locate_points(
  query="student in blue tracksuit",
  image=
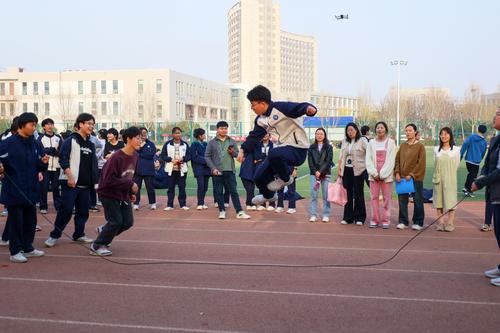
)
(146, 170)
(281, 120)
(473, 149)
(78, 174)
(247, 170)
(200, 168)
(22, 158)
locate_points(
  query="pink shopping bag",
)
(337, 194)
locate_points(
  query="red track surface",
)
(434, 285)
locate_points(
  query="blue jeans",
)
(228, 181)
(314, 196)
(278, 162)
(79, 198)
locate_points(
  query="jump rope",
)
(214, 263)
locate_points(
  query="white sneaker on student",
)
(83, 240)
(373, 224)
(260, 200)
(185, 208)
(359, 223)
(416, 227)
(250, 208)
(278, 184)
(136, 207)
(18, 257)
(216, 205)
(242, 215)
(385, 225)
(205, 207)
(199, 207)
(344, 222)
(102, 251)
(43, 211)
(4, 243)
(34, 253)
(291, 211)
(312, 219)
(279, 210)
(168, 208)
(226, 205)
(493, 273)
(495, 282)
(38, 228)
(260, 208)
(222, 215)
(152, 207)
(50, 242)
(270, 208)
(325, 219)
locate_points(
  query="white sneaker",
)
(325, 219)
(373, 224)
(84, 240)
(226, 205)
(260, 208)
(199, 207)
(270, 208)
(216, 205)
(38, 228)
(185, 208)
(98, 203)
(205, 207)
(43, 211)
(401, 226)
(222, 215)
(34, 253)
(493, 273)
(312, 219)
(260, 200)
(359, 223)
(136, 207)
(495, 282)
(102, 251)
(344, 222)
(152, 207)
(416, 227)
(98, 230)
(291, 211)
(251, 208)
(4, 243)
(168, 208)
(279, 210)
(50, 242)
(278, 184)
(385, 225)
(18, 257)
(242, 215)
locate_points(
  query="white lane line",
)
(98, 324)
(299, 247)
(398, 270)
(252, 291)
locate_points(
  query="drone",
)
(342, 17)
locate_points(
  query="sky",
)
(448, 44)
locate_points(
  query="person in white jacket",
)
(380, 159)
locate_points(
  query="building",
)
(259, 52)
(117, 98)
(330, 105)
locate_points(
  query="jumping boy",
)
(280, 120)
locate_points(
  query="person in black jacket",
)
(146, 170)
(200, 168)
(320, 159)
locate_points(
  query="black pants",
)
(250, 190)
(119, 217)
(488, 213)
(73, 197)
(50, 181)
(22, 224)
(202, 187)
(418, 205)
(180, 181)
(291, 196)
(225, 190)
(148, 180)
(472, 170)
(226, 180)
(354, 210)
(5, 233)
(496, 225)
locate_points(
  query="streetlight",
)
(398, 63)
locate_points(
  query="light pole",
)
(398, 63)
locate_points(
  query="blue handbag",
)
(405, 186)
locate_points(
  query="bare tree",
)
(472, 110)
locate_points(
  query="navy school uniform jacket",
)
(69, 157)
(21, 158)
(198, 163)
(145, 164)
(260, 152)
(247, 168)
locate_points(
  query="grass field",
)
(303, 179)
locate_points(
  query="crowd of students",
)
(88, 169)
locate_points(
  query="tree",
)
(472, 110)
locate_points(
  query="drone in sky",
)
(342, 17)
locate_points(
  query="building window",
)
(47, 109)
(25, 88)
(115, 86)
(80, 107)
(103, 86)
(115, 108)
(93, 87)
(158, 86)
(35, 108)
(80, 87)
(104, 108)
(2, 89)
(223, 114)
(25, 107)
(140, 86)
(12, 109)
(94, 108)
(2, 110)
(46, 88)
(213, 114)
(11, 88)
(202, 112)
(140, 109)
(35, 88)
(159, 110)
